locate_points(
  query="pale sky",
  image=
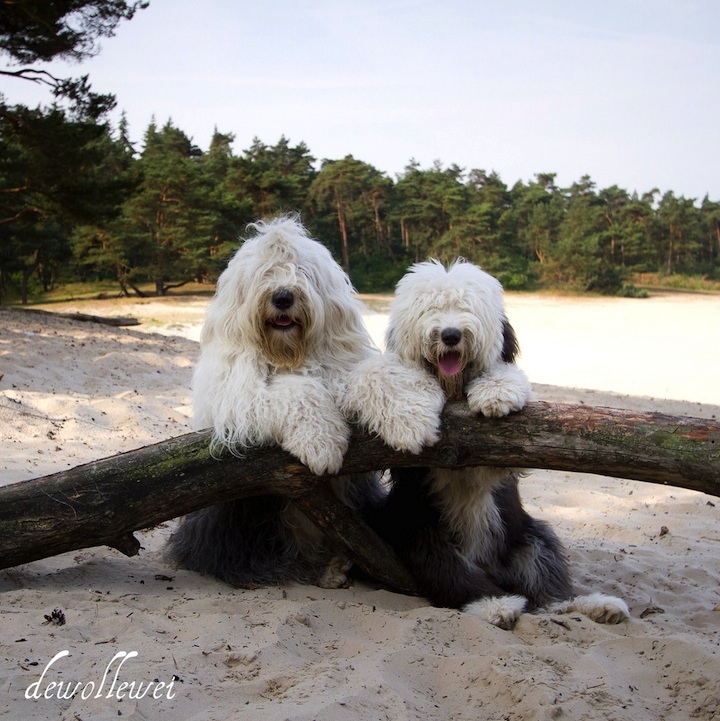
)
(626, 91)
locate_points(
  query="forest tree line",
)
(79, 200)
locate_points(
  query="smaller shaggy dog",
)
(283, 336)
(464, 534)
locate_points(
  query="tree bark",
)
(103, 502)
(343, 230)
(84, 317)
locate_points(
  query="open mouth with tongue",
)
(450, 363)
(282, 322)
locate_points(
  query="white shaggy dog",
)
(281, 334)
(464, 534)
(282, 339)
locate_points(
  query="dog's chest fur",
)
(454, 386)
(466, 503)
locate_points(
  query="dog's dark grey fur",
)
(265, 540)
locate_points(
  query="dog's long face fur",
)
(287, 313)
(450, 322)
(284, 296)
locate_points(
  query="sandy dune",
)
(73, 392)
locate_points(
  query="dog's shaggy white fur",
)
(464, 534)
(282, 335)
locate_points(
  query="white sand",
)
(73, 392)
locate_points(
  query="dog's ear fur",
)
(511, 347)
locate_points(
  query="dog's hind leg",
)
(244, 542)
(599, 607)
(334, 575)
(534, 563)
(500, 611)
(444, 575)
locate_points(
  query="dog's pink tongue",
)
(450, 363)
(283, 320)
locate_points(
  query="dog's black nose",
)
(451, 336)
(282, 299)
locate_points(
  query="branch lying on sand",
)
(104, 320)
(103, 502)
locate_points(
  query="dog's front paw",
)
(306, 421)
(410, 434)
(320, 454)
(598, 607)
(401, 405)
(500, 611)
(320, 442)
(498, 392)
(412, 421)
(495, 402)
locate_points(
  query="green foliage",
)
(38, 30)
(349, 202)
(54, 177)
(377, 274)
(168, 227)
(173, 214)
(428, 204)
(54, 170)
(32, 30)
(605, 280)
(275, 178)
(632, 291)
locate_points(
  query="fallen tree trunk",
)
(102, 319)
(85, 318)
(103, 502)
